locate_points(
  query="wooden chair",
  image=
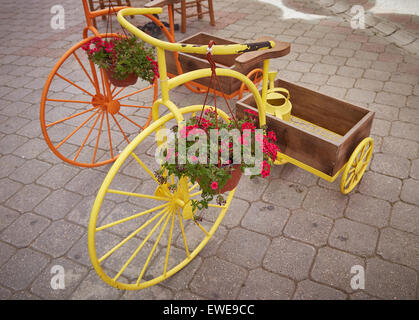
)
(102, 4)
(201, 9)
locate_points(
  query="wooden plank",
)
(304, 146)
(351, 140)
(327, 112)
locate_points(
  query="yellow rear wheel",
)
(147, 237)
(356, 166)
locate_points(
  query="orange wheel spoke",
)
(135, 92)
(103, 81)
(85, 71)
(133, 106)
(131, 120)
(109, 134)
(70, 117)
(87, 137)
(72, 83)
(122, 131)
(119, 91)
(98, 137)
(77, 129)
(71, 101)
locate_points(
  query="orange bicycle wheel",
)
(85, 120)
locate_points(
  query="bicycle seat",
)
(281, 49)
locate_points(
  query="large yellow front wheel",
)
(356, 166)
(149, 235)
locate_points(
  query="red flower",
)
(214, 185)
(251, 112)
(272, 135)
(266, 169)
(248, 125)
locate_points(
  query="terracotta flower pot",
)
(128, 81)
(236, 174)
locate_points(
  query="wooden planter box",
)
(191, 62)
(323, 131)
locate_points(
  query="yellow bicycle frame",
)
(167, 84)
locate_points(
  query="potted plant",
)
(214, 153)
(124, 59)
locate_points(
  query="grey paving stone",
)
(8, 164)
(360, 295)
(233, 216)
(332, 208)
(380, 186)
(27, 198)
(284, 193)
(405, 130)
(87, 182)
(57, 176)
(333, 267)
(30, 171)
(58, 238)
(360, 95)
(186, 295)
(156, 292)
(6, 252)
(266, 218)
(8, 188)
(24, 295)
(389, 280)
(58, 204)
(391, 165)
(368, 210)
(263, 285)
(31, 149)
(81, 213)
(7, 216)
(309, 290)
(13, 124)
(399, 146)
(4, 293)
(73, 275)
(22, 269)
(405, 217)
(290, 258)
(308, 227)
(251, 189)
(244, 248)
(353, 237)
(92, 288)
(410, 191)
(384, 112)
(414, 170)
(24, 230)
(297, 175)
(218, 279)
(399, 247)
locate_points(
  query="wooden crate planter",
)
(323, 131)
(191, 62)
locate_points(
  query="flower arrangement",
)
(197, 153)
(122, 57)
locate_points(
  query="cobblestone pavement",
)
(292, 236)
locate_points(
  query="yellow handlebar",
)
(189, 48)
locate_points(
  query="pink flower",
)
(251, 112)
(214, 185)
(193, 158)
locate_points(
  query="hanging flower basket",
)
(130, 79)
(124, 59)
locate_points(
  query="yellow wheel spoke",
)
(183, 233)
(131, 217)
(201, 227)
(168, 244)
(193, 187)
(120, 244)
(138, 195)
(153, 249)
(142, 164)
(140, 247)
(195, 194)
(216, 206)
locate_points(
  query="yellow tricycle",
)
(147, 238)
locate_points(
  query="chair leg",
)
(183, 9)
(211, 12)
(92, 8)
(199, 9)
(102, 6)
